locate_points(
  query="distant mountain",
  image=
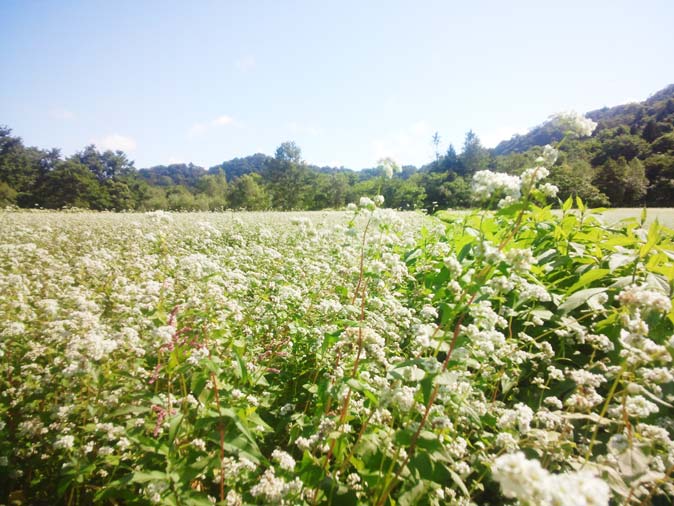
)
(655, 115)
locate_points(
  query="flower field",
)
(366, 357)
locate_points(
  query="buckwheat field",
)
(361, 357)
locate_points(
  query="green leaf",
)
(587, 278)
(652, 239)
(618, 260)
(579, 298)
(145, 476)
(174, 425)
(579, 204)
(457, 479)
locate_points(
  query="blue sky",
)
(349, 81)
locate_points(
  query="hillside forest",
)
(627, 161)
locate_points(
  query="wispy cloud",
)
(61, 113)
(201, 128)
(116, 142)
(410, 145)
(245, 63)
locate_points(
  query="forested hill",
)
(651, 118)
(627, 160)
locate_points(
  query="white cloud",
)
(222, 120)
(116, 142)
(61, 113)
(175, 160)
(201, 128)
(245, 63)
(410, 145)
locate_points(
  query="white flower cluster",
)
(284, 459)
(574, 123)
(528, 482)
(645, 299)
(273, 489)
(388, 166)
(486, 183)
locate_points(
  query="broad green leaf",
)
(579, 298)
(587, 278)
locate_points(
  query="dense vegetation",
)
(628, 160)
(366, 357)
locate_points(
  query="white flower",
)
(639, 407)
(284, 459)
(388, 166)
(528, 482)
(486, 183)
(640, 297)
(66, 442)
(199, 444)
(269, 487)
(550, 155)
(573, 123)
(366, 203)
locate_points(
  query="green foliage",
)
(367, 358)
(247, 193)
(627, 161)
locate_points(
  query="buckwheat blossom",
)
(639, 407)
(549, 190)
(549, 156)
(366, 203)
(65, 442)
(199, 444)
(528, 482)
(284, 459)
(269, 488)
(233, 498)
(645, 299)
(520, 417)
(486, 183)
(533, 175)
(573, 123)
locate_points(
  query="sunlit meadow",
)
(362, 357)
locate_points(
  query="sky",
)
(349, 81)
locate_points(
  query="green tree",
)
(7, 195)
(575, 180)
(70, 184)
(624, 183)
(105, 165)
(287, 178)
(212, 190)
(474, 157)
(246, 192)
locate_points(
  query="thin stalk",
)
(221, 429)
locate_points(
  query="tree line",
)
(627, 161)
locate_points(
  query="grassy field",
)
(663, 214)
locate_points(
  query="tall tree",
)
(287, 178)
(474, 157)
